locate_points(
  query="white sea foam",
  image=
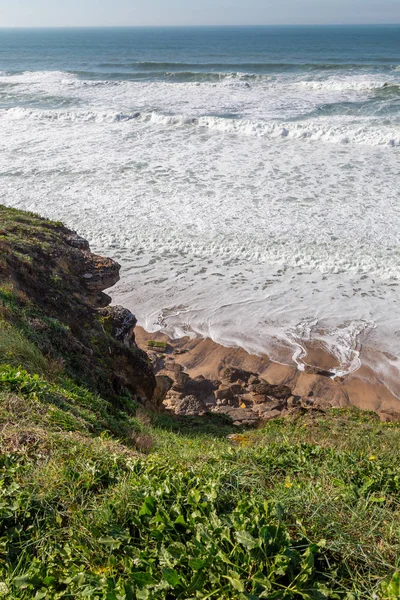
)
(341, 131)
(231, 214)
(347, 83)
(274, 97)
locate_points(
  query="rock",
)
(190, 406)
(239, 416)
(389, 416)
(317, 371)
(180, 381)
(237, 389)
(276, 391)
(76, 241)
(322, 403)
(268, 415)
(172, 366)
(210, 400)
(163, 385)
(98, 272)
(122, 323)
(307, 401)
(257, 399)
(271, 404)
(101, 300)
(156, 361)
(316, 404)
(293, 402)
(200, 386)
(224, 393)
(232, 375)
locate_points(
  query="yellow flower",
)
(372, 457)
(102, 570)
(288, 484)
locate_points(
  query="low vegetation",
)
(157, 344)
(101, 499)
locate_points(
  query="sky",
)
(63, 13)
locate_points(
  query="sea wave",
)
(264, 67)
(369, 82)
(348, 76)
(351, 84)
(112, 78)
(363, 132)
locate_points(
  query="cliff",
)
(102, 498)
(51, 294)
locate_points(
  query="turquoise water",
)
(246, 178)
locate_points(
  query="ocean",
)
(247, 179)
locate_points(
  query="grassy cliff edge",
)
(102, 497)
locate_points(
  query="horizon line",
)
(199, 26)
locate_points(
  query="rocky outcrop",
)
(163, 385)
(266, 390)
(190, 406)
(243, 396)
(121, 323)
(57, 288)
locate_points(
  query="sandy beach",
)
(363, 389)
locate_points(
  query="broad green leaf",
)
(246, 539)
(171, 576)
(143, 578)
(22, 582)
(197, 563)
(194, 496)
(148, 507)
(234, 580)
(180, 520)
(109, 541)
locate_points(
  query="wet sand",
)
(364, 388)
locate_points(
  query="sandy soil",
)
(363, 389)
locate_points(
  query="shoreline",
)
(363, 389)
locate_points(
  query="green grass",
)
(157, 344)
(16, 349)
(101, 500)
(288, 512)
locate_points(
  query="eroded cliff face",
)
(52, 289)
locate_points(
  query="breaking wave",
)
(354, 133)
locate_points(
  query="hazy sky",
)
(27, 13)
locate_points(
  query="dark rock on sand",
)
(190, 406)
(276, 391)
(316, 371)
